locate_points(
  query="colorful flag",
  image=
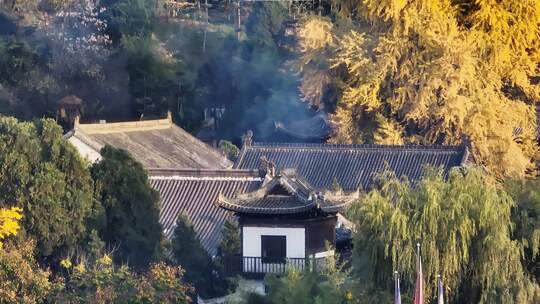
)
(419, 290)
(397, 292)
(440, 290)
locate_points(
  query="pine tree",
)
(130, 218)
(189, 253)
(230, 241)
(44, 176)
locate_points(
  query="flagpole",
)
(417, 256)
(419, 289)
(417, 252)
(440, 290)
(397, 291)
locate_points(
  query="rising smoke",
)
(148, 63)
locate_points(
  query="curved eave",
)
(341, 204)
(261, 210)
(281, 128)
(335, 208)
(240, 208)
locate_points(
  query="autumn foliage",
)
(437, 71)
(9, 222)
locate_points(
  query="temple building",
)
(350, 167)
(284, 224)
(287, 197)
(156, 143)
(323, 167)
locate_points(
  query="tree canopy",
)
(23, 280)
(9, 222)
(526, 218)
(44, 175)
(130, 217)
(436, 71)
(105, 282)
(330, 284)
(231, 242)
(464, 227)
(201, 271)
(131, 58)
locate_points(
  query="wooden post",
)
(206, 25)
(239, 21)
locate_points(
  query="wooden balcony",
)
(257, 267)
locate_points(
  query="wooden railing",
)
(257, 267)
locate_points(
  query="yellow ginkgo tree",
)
(448, 72)
(9, 222)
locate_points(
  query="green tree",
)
(229, 149)
(265, 23)
(230, 245)
(129, 17)
(464, 227)
(130, 220)
(44, 175)
(189, 253)
(230, 241)
(526, 218)
(153, 74)
(329, 284)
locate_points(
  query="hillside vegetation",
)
(452, 72)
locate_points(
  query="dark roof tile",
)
(285, 193)
(351, 166)
(195, 192)
(154, 143)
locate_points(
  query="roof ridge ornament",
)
(77, 122)
(247, 138)
(267, 169)
(285, 194)
(169, 117)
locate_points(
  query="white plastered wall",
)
(251, 242)
(84, 150)
(295, 240)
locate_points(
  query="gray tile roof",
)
(351, 166)
(274, 204)
(195, 193)
(285, 193)
(155, 143)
